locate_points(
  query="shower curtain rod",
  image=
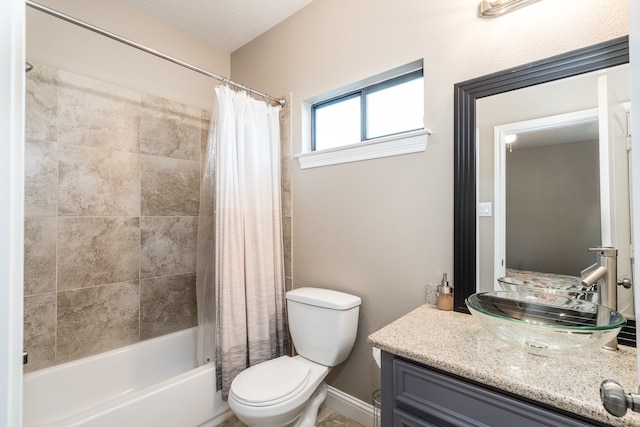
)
(138, 46)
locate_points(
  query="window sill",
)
(384, 147)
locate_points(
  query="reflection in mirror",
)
(539, 154)
(567, 115)
(551, 194)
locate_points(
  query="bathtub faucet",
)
(604, 275)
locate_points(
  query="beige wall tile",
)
(97, 114)
(167, 245)
(205, 123)
(41, 104)
(40, 255)
(169, 187)
(86, 245)
(40, 330)
(167, 304)
(98, 182)
(96, 251)
(41, 179)
(285, 172)
(82, 214)
(169, 129)
(286, 239)
(286, 160)
(97, 319)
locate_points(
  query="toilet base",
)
(310, 413)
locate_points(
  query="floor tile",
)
(326, 418)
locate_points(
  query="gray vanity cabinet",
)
(414, 395)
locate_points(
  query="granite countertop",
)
(455, 343)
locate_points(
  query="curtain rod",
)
(133, 44)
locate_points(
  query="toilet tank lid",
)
(324, 298)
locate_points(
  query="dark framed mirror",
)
(597, 57)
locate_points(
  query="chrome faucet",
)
(604, 275)
(612, 395)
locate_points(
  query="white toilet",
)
(288, 391)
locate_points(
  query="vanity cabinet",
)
(414, 395)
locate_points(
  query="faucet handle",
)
(584, 273)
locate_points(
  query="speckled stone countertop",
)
(455, 343)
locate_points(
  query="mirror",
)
(481, 253)
(553, 178)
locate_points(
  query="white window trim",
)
(395, 145)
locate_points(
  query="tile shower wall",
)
(285, 171)
(111, 215)
(111, 206)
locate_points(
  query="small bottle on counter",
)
(444, 295)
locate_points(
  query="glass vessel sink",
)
(543, 323)
(552, 285)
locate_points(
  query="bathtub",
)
(152, 383)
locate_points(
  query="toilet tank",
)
(323, 324)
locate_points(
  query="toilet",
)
(287, 391)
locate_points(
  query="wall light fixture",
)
(495, 8)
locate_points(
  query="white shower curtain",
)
(240, 277)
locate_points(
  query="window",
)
(380, 116)
(391, 107)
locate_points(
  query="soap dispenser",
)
(444, 295)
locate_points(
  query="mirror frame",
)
(602, 55)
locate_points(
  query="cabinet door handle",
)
(616, 401)
(626, 283)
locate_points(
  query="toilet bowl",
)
(287, 391)
(275, 393)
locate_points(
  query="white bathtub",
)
(152, 383)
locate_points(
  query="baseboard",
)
(349, 406)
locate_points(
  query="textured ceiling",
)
(225, 24)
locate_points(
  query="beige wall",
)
(56, 43)
(382, 228)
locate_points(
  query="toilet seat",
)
(270, 382)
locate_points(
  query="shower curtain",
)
(240, 272)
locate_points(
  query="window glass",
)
(389, 107)
(337, 123)
(395, 109)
